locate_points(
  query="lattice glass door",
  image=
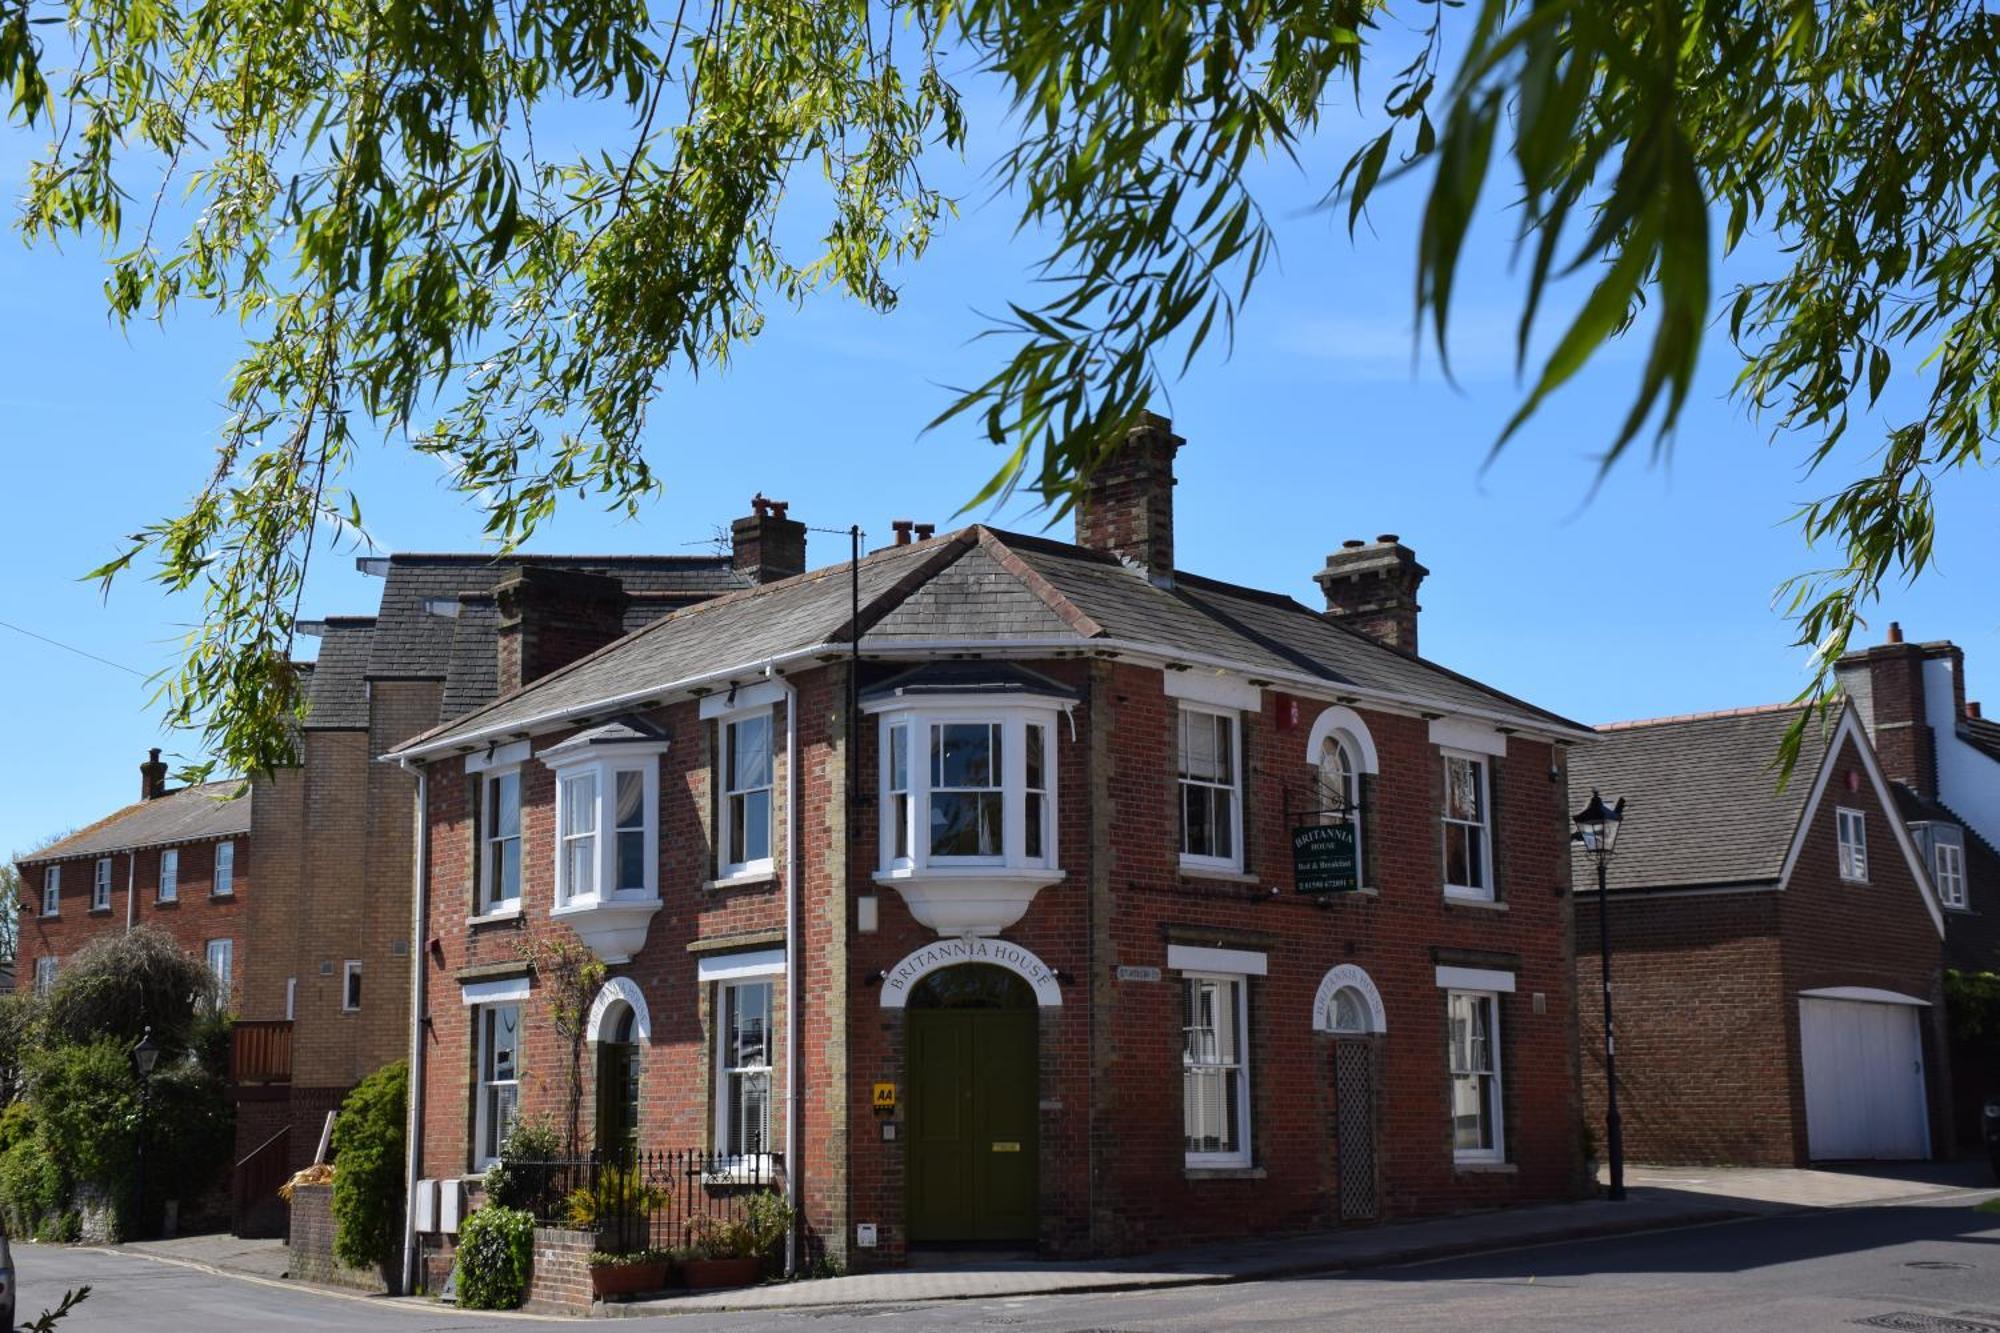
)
(1354, 1124)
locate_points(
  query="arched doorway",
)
(1350, 1008)
(618, 1082)
(971, 1065)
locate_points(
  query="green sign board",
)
(1323, 859)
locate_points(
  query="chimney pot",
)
(901, 527)
(1895, 632)
(1126, 509)
(1372, 588)
(925, 531)
(1972, 708)
(1352, 544)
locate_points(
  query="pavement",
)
(1659, 1199)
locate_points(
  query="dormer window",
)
(607, 843)
(968, 791)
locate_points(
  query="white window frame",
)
(484, 1087)
(1483, 826)
(1948, 870)
(224, 884)
(52, 891)
(46, 968)
(1495, 1075)
(169, 890)
(726, 1118)
(100, 886)
(226, 974)
(1240, 1156)
(1851, 842)
(920, 719)
(350, 972)
(604, 771)
(730, 864)
(490, 903)
(1353, 759)
(1187, 710)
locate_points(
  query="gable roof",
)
(189, 814)
(987, 590)
(1705, 808)
(337, 691)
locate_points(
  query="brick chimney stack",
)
(1889, 690)
(1372, 587)
(152, 777)
(1127, 507)
(767, 545)
(549, 617)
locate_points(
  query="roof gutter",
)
(1159, 654)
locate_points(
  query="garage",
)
(1864, 1075)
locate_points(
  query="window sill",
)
(1227, 876)
(1224, 1172)
(757, 879)
(1854, 883)
(1479, 904)
(1485, 1168)
(99, 911)
(221, 897)
(166, 902)
(513, 913)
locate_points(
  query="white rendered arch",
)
(904, 976)
(1342, 977)
(616, 991)
(1345, 720)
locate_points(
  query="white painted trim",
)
(1475, 978)
(1218, 691)
(500, 990)
(1865, 994)
(1339, 718)
(620, 990)
(1460, 733)
(1849, 728)
(901, 979)
(749, 963)
(1337, 979)
(498, 756)
(748, 699)
(1193, 958)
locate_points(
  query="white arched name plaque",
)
(904, 976)
(1346, 976)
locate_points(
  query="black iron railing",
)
(644, 1200)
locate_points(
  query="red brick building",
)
(178, 859)
(1777, 955)
(958, 887)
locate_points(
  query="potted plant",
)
(732, 1253)
(618, 1206)
(627, 1274)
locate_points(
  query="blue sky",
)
(1653, 597)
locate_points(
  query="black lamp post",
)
(145, 1055)
(1597, 832)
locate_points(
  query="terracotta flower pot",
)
(708, 1274)
(627, 1279)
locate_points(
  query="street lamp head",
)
(1597, 825)
(146, 1054)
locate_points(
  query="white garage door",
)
(1864, 1080)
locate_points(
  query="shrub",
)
(532, 1139)
(86, 1101)
(33, 1191)
(755, 1235)
(368, 1186)
(120, 985)
(495, 1248)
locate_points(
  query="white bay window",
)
(607, 836)
(968, 792)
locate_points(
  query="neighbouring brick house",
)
(1943, 760)
(317, 951)
(958, 886)
(1777, 954)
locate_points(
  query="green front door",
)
(971, 1060)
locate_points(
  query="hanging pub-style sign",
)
(1324, 860)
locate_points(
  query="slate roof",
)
(337, 692)
(189, 814)
(983, 584)
(1982, 734)
(1703, 804)
(414, 643)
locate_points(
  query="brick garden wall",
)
(311, 1244)
(559, 1282)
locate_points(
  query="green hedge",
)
(496, 1248)
(368, 1142)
